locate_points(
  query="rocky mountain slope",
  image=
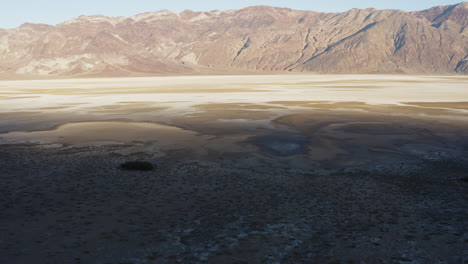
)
(253, 38)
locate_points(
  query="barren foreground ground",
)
(248, 169)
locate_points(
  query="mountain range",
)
(252, 39)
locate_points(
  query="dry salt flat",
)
(247, 169)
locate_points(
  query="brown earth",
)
(252, 39)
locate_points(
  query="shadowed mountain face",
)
(254, 38)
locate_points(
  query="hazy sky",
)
(15, 12)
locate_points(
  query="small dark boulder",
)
(137, 166)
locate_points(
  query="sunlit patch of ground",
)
(450, 105)
(287, 116)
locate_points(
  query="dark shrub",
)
(137, 166)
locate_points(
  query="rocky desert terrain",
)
(243, 169)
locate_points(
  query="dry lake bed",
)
(246, 169)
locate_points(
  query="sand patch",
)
(134, 137)
(245, 106)
(124, 109)
(452, 105)
(98, 132)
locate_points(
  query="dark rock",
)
(465, 179)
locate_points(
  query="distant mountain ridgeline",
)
(260, 38)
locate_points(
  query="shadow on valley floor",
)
(307, 189)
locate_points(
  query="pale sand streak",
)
(233, 89)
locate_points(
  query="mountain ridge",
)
(258, 38)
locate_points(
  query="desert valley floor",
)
(248, 169)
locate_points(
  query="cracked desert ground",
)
(248, 169)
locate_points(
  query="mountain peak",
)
(34, 26)
(94, 19)
(252, 38)
(437, 15)
(463, 5)
(153, 16)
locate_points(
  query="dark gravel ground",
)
(75, 205)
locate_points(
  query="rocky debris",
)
(62, 207)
